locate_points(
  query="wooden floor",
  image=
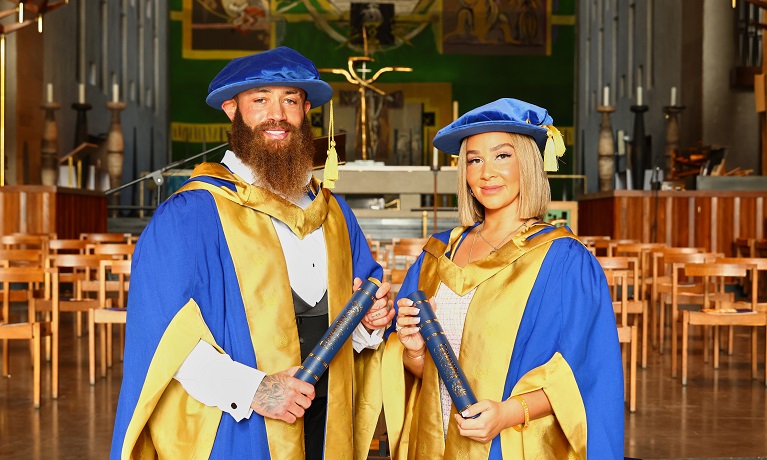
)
(719, 414)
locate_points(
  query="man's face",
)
(270, 106)
(271, 134)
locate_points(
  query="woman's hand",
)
(407, 327)
(410, 336)
(494, 418)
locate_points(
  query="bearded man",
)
(234, 281)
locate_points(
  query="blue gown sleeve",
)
(570, 311)
(363, 263)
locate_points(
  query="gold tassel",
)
(555, 148)
(330, 175)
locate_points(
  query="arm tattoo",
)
(272, 393)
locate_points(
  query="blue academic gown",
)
(183, 254)
(569, 311)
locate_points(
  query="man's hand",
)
(282, 397)
(382, 312)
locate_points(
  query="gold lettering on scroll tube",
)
(343, 324)
(449, 368)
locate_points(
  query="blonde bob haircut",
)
(534, 190)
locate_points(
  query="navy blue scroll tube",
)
(442, 354)
(335, 337)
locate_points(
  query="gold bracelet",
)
(415, 357)
(526, 410)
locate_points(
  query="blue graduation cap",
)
(281, 66)
(510, 116)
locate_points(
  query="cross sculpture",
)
(359, 77)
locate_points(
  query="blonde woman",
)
(524, 305)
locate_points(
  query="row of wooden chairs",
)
(694, 284)
(96, 266)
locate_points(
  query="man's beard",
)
(282, 166)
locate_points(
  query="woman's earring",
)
(471, 192)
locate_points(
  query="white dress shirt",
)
(214, 378)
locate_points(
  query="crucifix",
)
(358, 76)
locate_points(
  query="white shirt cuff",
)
(214, 379)
(361, 339)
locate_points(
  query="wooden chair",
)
(24, 241)
(661, 286)
(30, 242)
(107, 314)
(30, 330)
(17, 258)
(684, 292)
(642, 252)
(75, 267)
(30, 258)
(616, 279)
(719, 311)
(67, 277)
(744, 247)
(607, 247)
(759, 269)
(635, 305)
(106, 237)
(115, 251)
(404, 253)
(590, 241)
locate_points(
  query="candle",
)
(455, 110)
(606, 96)
(621, 142)
(49, 97)
(115, 92)
(673, 96)
(639, 95)
(81, 93)
(435, 158)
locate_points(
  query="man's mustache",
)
(276, 126)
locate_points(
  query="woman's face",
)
(492, 170)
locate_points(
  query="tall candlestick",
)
(434, 158)
(673, 96)
(606, 96)
(49, 97)
(455, 110)
(621, 142)
(639, 95)
(115, 92)
(81, 93)
(606, 147)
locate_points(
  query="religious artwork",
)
(401, 122)
(369, 113)
(225, 29)
(399, 22)
(377, 121)
(497, 28)
(376, 20)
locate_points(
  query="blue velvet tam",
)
(281, 66)
(504, 115)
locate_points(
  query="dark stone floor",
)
(720, 414)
